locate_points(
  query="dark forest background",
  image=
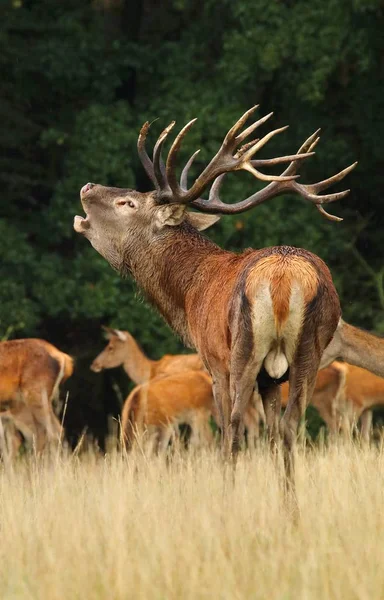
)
(79, 79)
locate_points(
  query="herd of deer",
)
(171, 391)
(257, 319)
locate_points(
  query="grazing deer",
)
(31, 371)
(261, 316)
(122, 349)
(163, 403)
(356, 347)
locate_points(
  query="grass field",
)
(118, 527)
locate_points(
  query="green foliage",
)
(82, 77)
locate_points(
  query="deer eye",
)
(124, 202)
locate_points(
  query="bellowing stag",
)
(263, 315)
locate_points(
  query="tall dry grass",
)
(129, 527)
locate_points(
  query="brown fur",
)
(357, 347)
(166, 401)
(30, 373)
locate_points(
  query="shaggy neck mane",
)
(165, 269)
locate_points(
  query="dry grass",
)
(127, 527)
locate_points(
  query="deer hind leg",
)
(222, 401)
(366, 426)
(48, 427)
(301, 386)
(163, 435)
(242, 390)
(253, 417)
(271, 396)
(201, 430)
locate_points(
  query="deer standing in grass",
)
(254, 318)
(159, 405)
(163, 403)
(31, 371)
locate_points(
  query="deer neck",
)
(362, 349)
(136, 364)
(166, 269)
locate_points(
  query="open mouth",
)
(81, 224)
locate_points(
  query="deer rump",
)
(277, 293)
(31, 371)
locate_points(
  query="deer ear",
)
(108, 331)
(120, 334)
(170, 214)
(202, 221)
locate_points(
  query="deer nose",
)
(86, 188)
(96, 367)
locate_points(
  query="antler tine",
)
(144, 158)
(327, 215)
(307, 147)
(184, 173)
(252, 128)
(269, 162)
(322, 185)
(157, 161)
(214, 191)
(239, 124)
(171, 164)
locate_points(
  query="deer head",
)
(119, 221)
(114, 354)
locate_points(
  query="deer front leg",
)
(365, 426)
(302, 383)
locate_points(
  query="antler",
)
(229, 158)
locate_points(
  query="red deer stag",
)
(165, 402)
(252, 317)
(122, 349)
(31, 371)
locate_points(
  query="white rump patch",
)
(275, 349)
